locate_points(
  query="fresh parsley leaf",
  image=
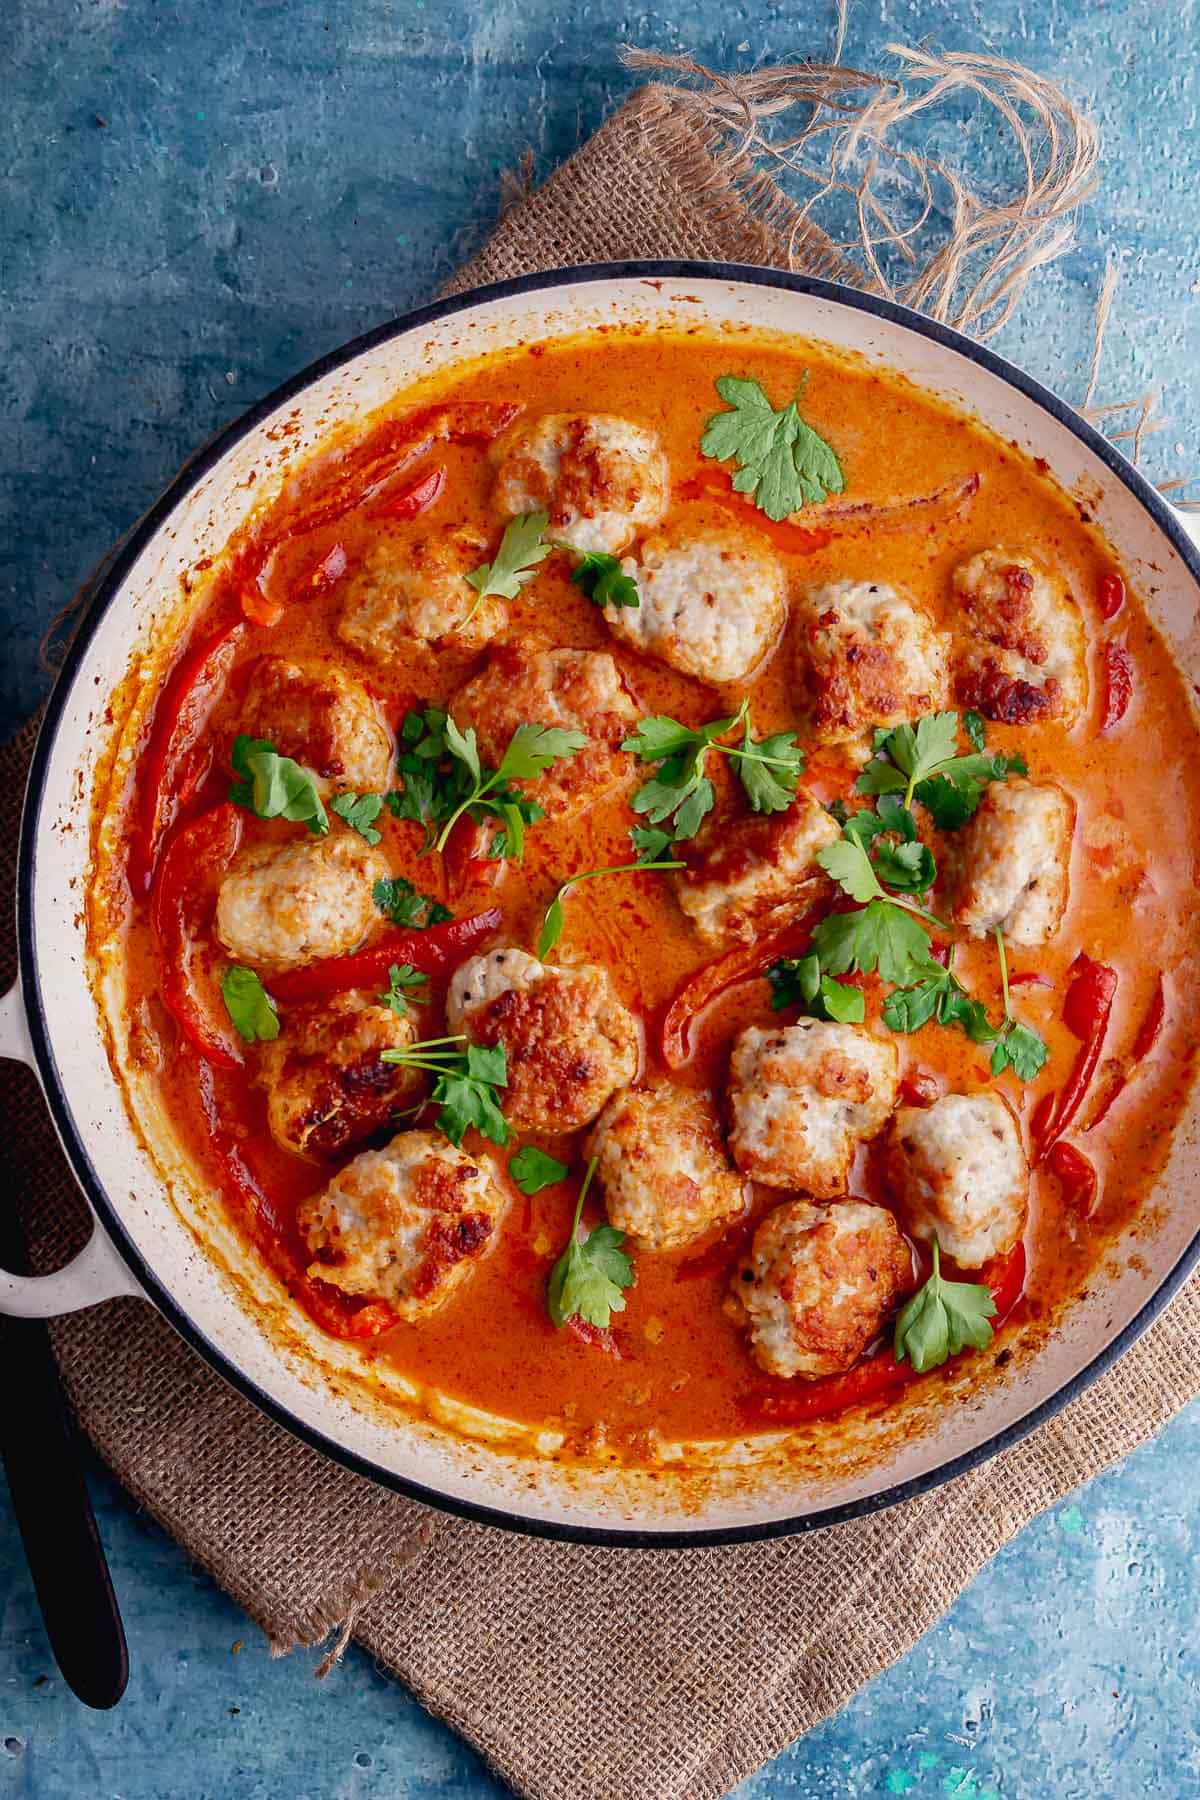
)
(587, 1280)
(847, 863)
(461, 783)
(249, 1005)
(360, 812)
(942, 1318)
(880, 936)
(1021, 1050)
(433, 782)
(905, 864)
(399, 901)
(649, 842)
(660, 737)
(780, 460)
(922, 763)
(602, 580)
(976, 730)
(532, 748)
(532, 1169)
(401, 976)
(465, 1084)
(275, 787)
(555, 917)
(769, 770)
(522, 548)
(799, 981)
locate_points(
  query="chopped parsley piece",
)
(516, 561)
(587, 1280)
(681, 792)
(936, 993)
(249, 1005)
(781, 462)
(465, 1084)
(443, 778)
(275, 787)
(555, 919)
(601, 578)
(399, 901)
(799, 981)
(401, 976)
(532, 1169)
(942, 1318)
(360, 812)
(922, 763)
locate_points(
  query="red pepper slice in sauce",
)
(173, 766)
(1110, 595)
(1086, 1011)
(880, 1374)
(832, 518)
(181, 903)
(409, 502)
(431, 952)
(701, 988)
(1147, 1036)
(1118, 684)
(1076, 1174)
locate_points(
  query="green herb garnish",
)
(465, 1088)
(555, 918)
(532, 1169)
(249, 1005)
(681, 792)
(400, 901)
(601, 579)
(274, 786)
(401, 976)
(782, 463)
(942, 1318)
(587, 1280)
(360, 812)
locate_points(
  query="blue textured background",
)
(198, 200)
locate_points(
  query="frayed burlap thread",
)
(578, 1672)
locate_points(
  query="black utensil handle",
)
(43, 1459)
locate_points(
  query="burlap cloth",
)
(599, 1674)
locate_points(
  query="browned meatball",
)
(325, 1082)
(315, 714)
(818, 1285)
(747, 875)
(663, 1166)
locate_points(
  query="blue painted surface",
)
(198, 201)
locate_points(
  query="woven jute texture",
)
(595, 1674)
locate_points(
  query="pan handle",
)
(97, 1272)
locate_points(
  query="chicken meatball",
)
(744, 876)
(663, 1166)
(282, 906)
(710, 602)
(600, 478)
(868, 655)
(818, 1286)
(579, 689)
(1010, 864)
(1024, 659)
(569, 1043)
(404, 1224)
(315, 714)
(803, 1097)
(414, 590)
(959, 1171)
(326, 1084)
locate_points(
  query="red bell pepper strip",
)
(1077, 1175)
(880, 1374)
(701, 988)
(182, 897)
(170, 769)
(1086, 1011)
(919, 1088)
(1110, 596)
(408, 502)
(1143, 1044)
(431, 952)
(833, 518)
(464, 860)
(1118, 684)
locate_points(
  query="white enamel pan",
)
(161, 1236)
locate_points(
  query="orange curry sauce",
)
(675, 1365)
